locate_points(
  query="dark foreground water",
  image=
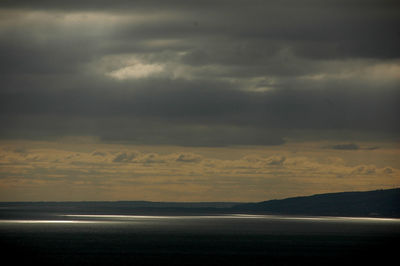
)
(69, 239)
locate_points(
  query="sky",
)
(198, 100)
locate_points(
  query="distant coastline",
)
(377, 203)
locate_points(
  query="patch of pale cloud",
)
(276, 160)
(188, 158)
(364, 170)
(259, 162)
(388, 170)
(136, 71)
(99, 153)
(383, 72)
(127, 66)
(89, 22)
(20, 150)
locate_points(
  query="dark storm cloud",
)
(198, 72)
(210, 104)
(124, 157)
(257, 29)
(328, 29)
(349, 146)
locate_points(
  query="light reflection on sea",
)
(236, 216)
(234, 239)
(131, 219)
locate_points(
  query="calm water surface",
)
(95, 239)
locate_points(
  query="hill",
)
(378, 203)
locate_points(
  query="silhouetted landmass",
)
(35, 209)
(378, 203)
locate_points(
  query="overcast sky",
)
(196, 75)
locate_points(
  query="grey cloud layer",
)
(198, 72)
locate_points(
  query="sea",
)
(42, 236)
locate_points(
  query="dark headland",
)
(377, 203)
